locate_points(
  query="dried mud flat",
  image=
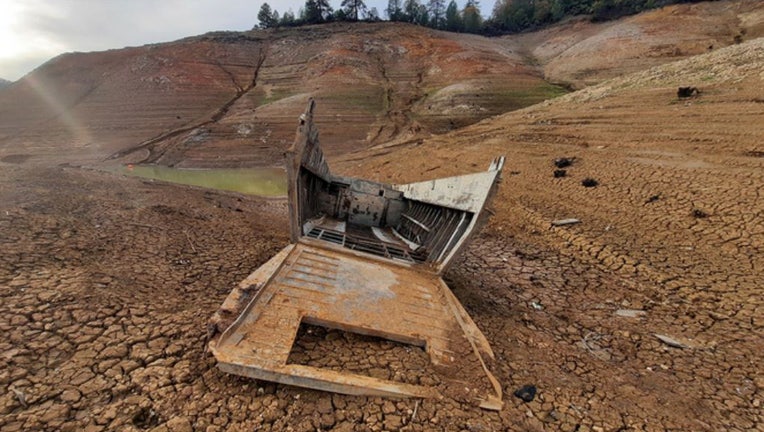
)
(107, 282)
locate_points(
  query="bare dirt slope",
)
(231, 98)
(89, 105)
(581, 53)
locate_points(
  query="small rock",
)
(526, 392)
(630, 313)
(71, 395)
(670, 341)
(563, 222)
(589, 182)
(179, 424)
(653, 199)
(699, 214)
(388, 407)
(393, 422)
(109, 414)
(560, 173)
(563, 162)
(57, 413)
(324, 406)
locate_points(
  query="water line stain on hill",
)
(270, 182)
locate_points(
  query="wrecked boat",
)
(367, 258)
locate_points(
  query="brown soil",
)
(581, 53)
(107, 282)
(672, 229)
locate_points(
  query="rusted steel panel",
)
(366, 258)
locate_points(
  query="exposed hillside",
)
(583, 53)
(234, 97)
(231, 99)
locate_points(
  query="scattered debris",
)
(537, 305)
(563, 222)
(564, 162)
(20, 396)
(685, 92)
(589, 182)
(653, 199)
(630, 313)
(190, 243)
(526, 392)
(559, 173)
(590, 342)
(145, 418)
(699, 214)
(670, 341)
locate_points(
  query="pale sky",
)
(33, 31)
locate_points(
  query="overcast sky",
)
(33, 31)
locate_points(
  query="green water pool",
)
(270, 182)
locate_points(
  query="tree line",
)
(508, 16)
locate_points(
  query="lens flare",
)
(63, 113)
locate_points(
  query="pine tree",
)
(411, 11)
(453, 20)
(394, 12)
(353, 8)
(311, 14)
(266, 16)
(437, 11)
(324, 8)
(287, 19)
(471, 17)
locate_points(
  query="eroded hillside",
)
(582, 53)
(230, 99)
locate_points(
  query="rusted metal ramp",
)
(366, 258)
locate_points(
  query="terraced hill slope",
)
(230, 99)
(582, 53)
(233, 98)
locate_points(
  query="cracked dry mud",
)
(107, 284)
